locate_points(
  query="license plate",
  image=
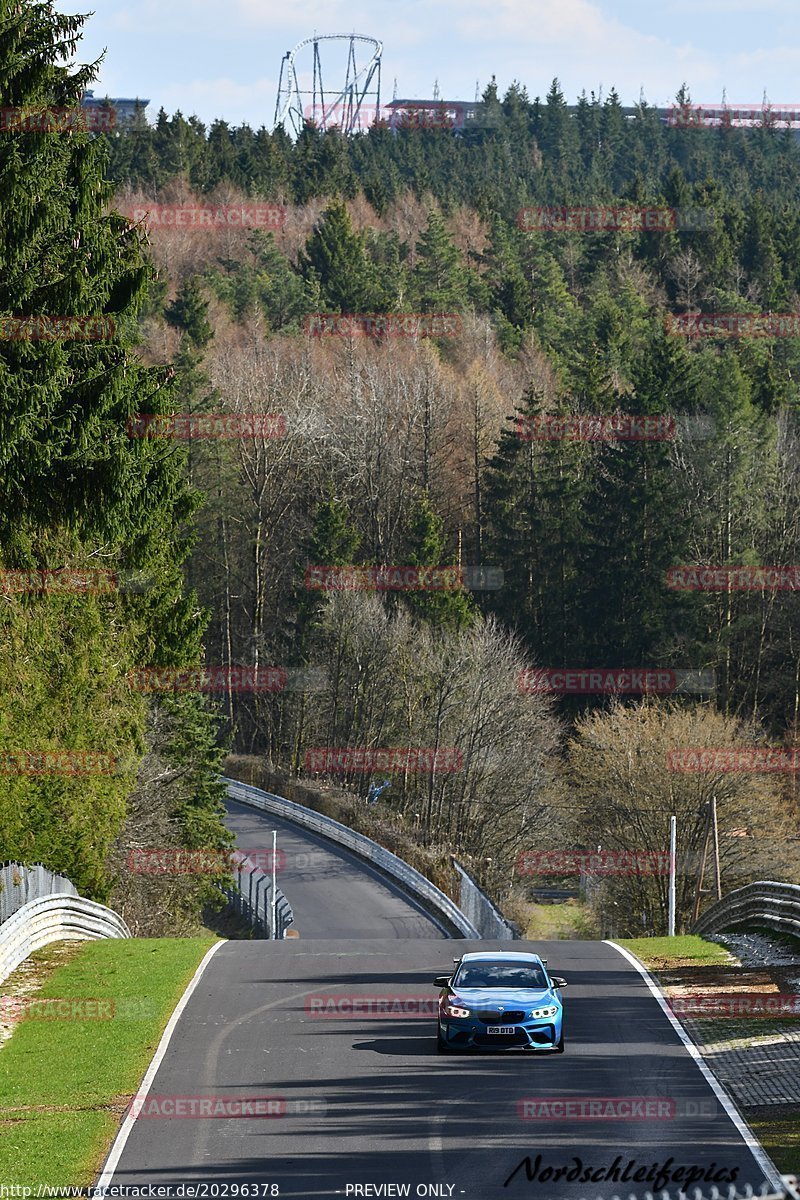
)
(501, 1029)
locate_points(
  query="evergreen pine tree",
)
(333, 542)
(450, 607)
(189, 313)
(336, 259)
(77, 489)
(439, 278)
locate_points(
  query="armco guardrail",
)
(413, 882)
(765, 904)
(56, 918)
(20, 883)
(479, 909)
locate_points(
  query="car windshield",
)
(500, 975)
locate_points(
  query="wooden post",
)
(702, 868)
(715, 833)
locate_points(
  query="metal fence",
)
(252, 898)
(725, 1193)
(479, 909)
(20, 884)
(765, 904)
(435, 901)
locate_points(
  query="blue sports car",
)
(500, 1001)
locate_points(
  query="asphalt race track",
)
(333, 893)
(359, 1102)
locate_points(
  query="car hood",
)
(507, 997)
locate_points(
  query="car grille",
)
(512, 1017)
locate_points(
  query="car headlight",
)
(549, 1010)
(453, 1010)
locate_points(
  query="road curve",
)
(361, 1100)
(333, 893)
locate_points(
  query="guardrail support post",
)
(274, 884)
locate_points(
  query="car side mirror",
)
(441, 981)
(558, 982)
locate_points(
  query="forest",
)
(550, 431)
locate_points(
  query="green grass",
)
(779, 1134)
(550, 922)
(688, 950)
(64, 1084)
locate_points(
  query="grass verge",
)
(688, 950)
(779, 1134)
(65, 1081)
(550, 922)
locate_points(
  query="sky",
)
(222, 58)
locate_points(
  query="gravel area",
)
(756, 950)
(758, 1060)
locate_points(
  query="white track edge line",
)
(758, 1152)
(115, 1153)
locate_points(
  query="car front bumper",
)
(467, 1033)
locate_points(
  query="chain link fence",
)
(20, 884)
(726, 1193)
(479, 909)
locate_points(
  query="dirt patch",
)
(26, 980)
(683, 980)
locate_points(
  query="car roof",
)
(504, 955)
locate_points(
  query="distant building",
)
(457, 115)
(125, 111)
(460, 115)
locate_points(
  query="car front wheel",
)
(441, 1045)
